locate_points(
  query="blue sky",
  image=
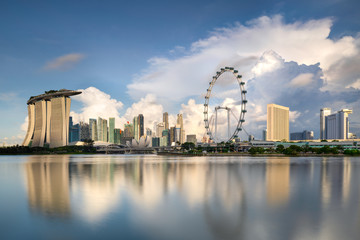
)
(114, 45)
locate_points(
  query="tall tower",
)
(323, 113)
(105, 130)
(49, 119)
(136, 128)
(141, 125)
(111, 130)
(337, 125)
(179, 124)
(166, 120)
(100, 129)
(93, 129)
(277, 123)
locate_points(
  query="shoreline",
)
(195, 155)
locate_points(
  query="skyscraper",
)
(105, 130)
(166, 134)
(305, 135)
(337, 125)
(74, 131)
(166, 120)
(49, 119)
(84, 131)
(148, 132)
(159, 129)
(128, 130)
(111, 130)
(323, 113)
(93, 129)
(102, 129)
(117, 135)
(277, 123)
(264, 134)
(172, 135)
(180, 124)
(141, 125)
(136, 128)
(178, 133)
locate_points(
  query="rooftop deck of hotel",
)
(52, 94)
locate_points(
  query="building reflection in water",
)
(278, 181)
(48, 184)
(95, 188)
(223, 196)
(225, 202)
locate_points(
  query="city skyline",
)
(307, 61)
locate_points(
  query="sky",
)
(154, 56)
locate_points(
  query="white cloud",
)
(269, 61)
(24, 126)
(302, 80)
(277, 60)
(149, 107)
(96, 104)
(302, 42)
(64, 62)
(193, 118)
(293, 115)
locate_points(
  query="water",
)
(162, 197)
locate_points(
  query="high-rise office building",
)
(111, 130)
(155, 142)
(141, 125)
(136, 128)
(74, 131)
(178, 133)
(277, 123)
(264, 134)
(49, 119)
(305, 135)
(102, 129)
(166, 120)
(180, 124)
(117, 135)
(172, 135)
(93, 129)
(166, 134)
(84, 131)
(105, 130)
(148, 132)
(128, 130)
(323, 113)
(159, 129)
(337, 125)
(138, 123)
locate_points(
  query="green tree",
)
(188, 145)
(280, 148)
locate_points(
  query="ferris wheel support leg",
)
(215, 123)
(228, 115)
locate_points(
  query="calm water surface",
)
(155, 197)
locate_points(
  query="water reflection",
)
(278, 181)
(48, 184)
(221, 198)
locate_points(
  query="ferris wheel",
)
(211, 131)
